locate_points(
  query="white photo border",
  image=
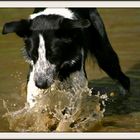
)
(101, 4)
(77, 135)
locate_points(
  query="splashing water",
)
(66, 106)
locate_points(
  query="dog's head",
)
(53, 46)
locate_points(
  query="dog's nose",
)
(42, 84)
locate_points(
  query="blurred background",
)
(123, 28)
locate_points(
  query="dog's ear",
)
(21, 28)
(82, 23)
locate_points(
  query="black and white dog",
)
(57, 41)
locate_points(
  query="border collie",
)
(57, 41)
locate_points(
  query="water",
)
(60, 108)
(121, 114)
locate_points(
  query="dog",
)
(57, 41)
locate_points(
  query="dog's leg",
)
(109, 62)
(101, 48)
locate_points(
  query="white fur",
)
(66, 13)
(41, 64)
(32, 91)
(41, 49)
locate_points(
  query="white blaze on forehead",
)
(43, 68)
(66, 13)
(42, 64)
(41, 49)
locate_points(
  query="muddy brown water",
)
(123, 27)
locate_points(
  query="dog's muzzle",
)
(44, 79)
(43, 83)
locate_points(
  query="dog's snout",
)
(44, 78)
(42, 83)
